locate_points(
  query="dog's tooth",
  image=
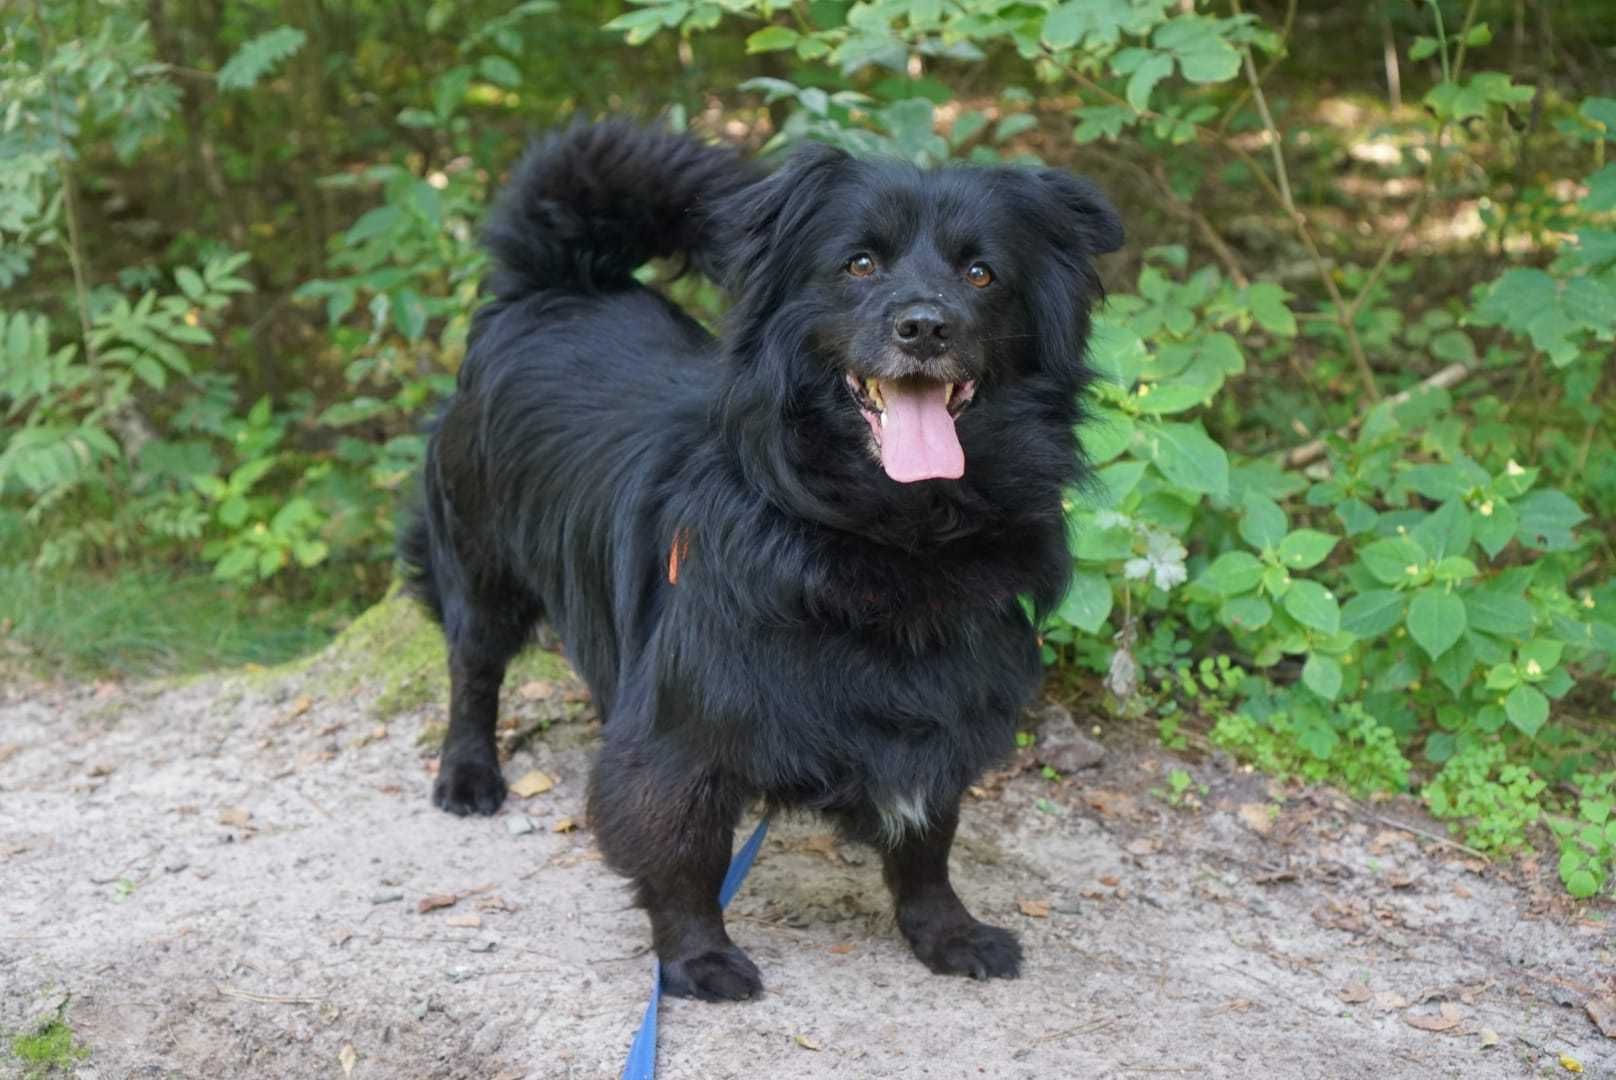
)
(883, 418)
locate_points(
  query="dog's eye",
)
(861, 266)
(979, 274)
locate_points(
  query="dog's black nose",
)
(921, 329)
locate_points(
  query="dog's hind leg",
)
(670, 829)
(946, 937)
(483, 637)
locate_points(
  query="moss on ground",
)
(50, 1048)
(398, 652)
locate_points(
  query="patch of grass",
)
(51, 1047)
(153, 622)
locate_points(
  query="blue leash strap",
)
(641, 1064)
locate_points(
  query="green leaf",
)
(1246, 613)
(1158, 399)
(1087, 602)
(1454, 345)
(1455, 666)
(1455, 568)
(1203, 55)
(1372, 613)
(258, 57)
(1305, 548)
(1234, 572)
(1527, 709)
(500, 71)
(1435, 620)
(1392, 559)
(1540, 656)
(1547, 517)
(1423, 48)
(1268, 307)
(1102, 122)
(1312, 605)
(1356, 515)
(1262, 525)
(1497, 613)
(1106, 435)
(409, 313)
(771, 39)
(1496, 523)
(1151, 70)
(1601, 191)
(1445, 531)
(1187, 457)
(190, 281)
(1322, 675)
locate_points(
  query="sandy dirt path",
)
(224, 878)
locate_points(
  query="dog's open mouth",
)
(913, 422)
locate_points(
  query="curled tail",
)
(588, 205)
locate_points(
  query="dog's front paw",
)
(468, 787)
(968, 948)
(716, 975)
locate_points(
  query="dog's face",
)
(920, 297)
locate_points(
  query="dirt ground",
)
(235, 876)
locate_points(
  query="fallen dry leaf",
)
(434, 902)
(349, 1057)
(1489, 1038)
(566, 824)
(807, 1043)
(1110, 879)
(465, 922)
(1461, 892)
(538, 688)
(534, 783)
(1387, 1000)
(237, 817)
(1354, 994)
(1446, 1019)
(843, 949)
(1257, 818)
(1602, 1011)
(1570, 1064)
(301, 706)
(1034, 909)
(1143, 846)
(494, 903)
(821, 844)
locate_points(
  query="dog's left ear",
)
(761, 217)
(1098, 221)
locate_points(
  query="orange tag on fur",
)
(680, 549)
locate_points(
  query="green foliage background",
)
(1355, 485)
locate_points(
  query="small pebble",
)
(386, 897)
(519, 824)
(482, 945)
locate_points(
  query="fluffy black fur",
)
(836, 641)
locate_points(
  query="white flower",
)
(1164, 559)
(1110, 519)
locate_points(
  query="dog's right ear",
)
(759, 221)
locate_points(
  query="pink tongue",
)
(917, 439)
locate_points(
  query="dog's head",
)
(915, 318)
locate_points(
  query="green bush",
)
(1380, 487)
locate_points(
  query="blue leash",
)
(641, 1064)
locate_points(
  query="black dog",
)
(791, 562)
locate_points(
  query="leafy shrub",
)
(1358, 528)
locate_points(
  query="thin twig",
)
(267, 999)
(1431, 836)
(1446, 379)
